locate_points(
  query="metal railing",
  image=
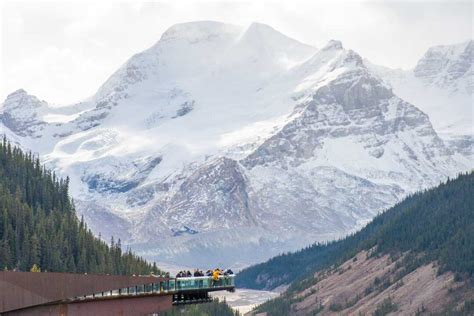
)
(196, 283)
(170, 286)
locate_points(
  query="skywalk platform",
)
(47, 293)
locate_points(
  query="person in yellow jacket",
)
(215, 276)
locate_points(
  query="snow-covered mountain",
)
(442, 86)
(448, 67)
(227, 145)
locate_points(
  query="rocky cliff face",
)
(21, 114)
(441, 85)
(449, 67)
(230, 145)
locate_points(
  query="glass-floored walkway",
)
(184, 290)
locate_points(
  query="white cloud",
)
(63, 51)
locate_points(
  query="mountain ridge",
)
(186, 131)
(441, 80)
(414, 258)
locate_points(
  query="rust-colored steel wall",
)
(129, 306)
(23, 289)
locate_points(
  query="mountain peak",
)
(258, 32)
(198, 30)
(448, 66)
(263, 42)
(20, 113)
(333, 45)
(16, 93)
(260, 27)
(21, 99)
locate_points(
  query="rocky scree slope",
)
(415, 258)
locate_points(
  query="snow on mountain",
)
(21, 113)
(227, 145)
(442, 85)
(448, 66)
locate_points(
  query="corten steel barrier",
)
(123, 306)
(19, 290)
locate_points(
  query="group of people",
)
(184, 274)
(188, 274)
(210, 273)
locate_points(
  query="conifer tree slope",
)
(39, 228)
(435, 225)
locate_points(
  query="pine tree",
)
(38, 223)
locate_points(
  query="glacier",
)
(226, 145)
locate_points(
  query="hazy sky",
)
(63, 51)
